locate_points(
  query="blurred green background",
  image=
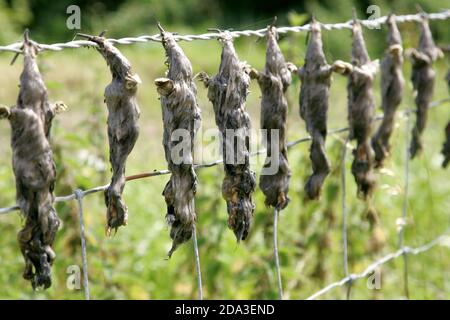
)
(131, 264)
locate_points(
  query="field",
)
(132, 264)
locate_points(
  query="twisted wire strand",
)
(369, 23)
(197, 264)
(442, 240)
(79, 196)
(401, 234)
(344, 216)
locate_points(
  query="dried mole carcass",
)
(361, 105)
(180, 114)
(123, 127)
(228, 91)
(422, 78)
(316, 76)
(392, 83)
(34, 169)
(274, 81)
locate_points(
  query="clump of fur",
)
(274, 81)
(361, 105)
(34, 169)
(180, 112)
(228, 91)
(392, 83)
(423, 78)
(123, 127)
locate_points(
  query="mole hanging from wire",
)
(361, 105)
(274, 81)
(181, 117)
(123, 127)
(392, 83)
(228, 91)
(34, 168)
(423, 78)
(316, 75)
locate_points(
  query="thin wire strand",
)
(275, 253)
(197, 264)
(79, 197)
(443, 240)
(344, 216)
(405, 206)
(370, 23)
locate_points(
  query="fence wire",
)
(344, 215)
(79, 197)
(275, 253)
(401, 234)
(369, 23)
(442, 240)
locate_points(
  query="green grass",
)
(132, 265)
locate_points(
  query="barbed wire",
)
(369, 23)
(443, 240)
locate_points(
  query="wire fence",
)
(404, 251)
(369, 23)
